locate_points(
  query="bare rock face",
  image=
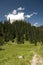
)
(37, 60)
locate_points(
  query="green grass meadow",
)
(11, 51)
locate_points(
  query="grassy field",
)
(11, 51)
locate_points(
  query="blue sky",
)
(7, 6)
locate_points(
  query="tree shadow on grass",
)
(2, 49)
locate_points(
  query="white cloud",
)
(35, 13)
(20, 8)
(18, 15)
(29, 16)
(12, 17)
(36, 24)
(14, 12)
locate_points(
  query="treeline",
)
(21, 30)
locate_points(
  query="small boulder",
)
(20, 57)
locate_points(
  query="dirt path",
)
(36, 60)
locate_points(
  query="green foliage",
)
(1, 41)
(21, 30)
